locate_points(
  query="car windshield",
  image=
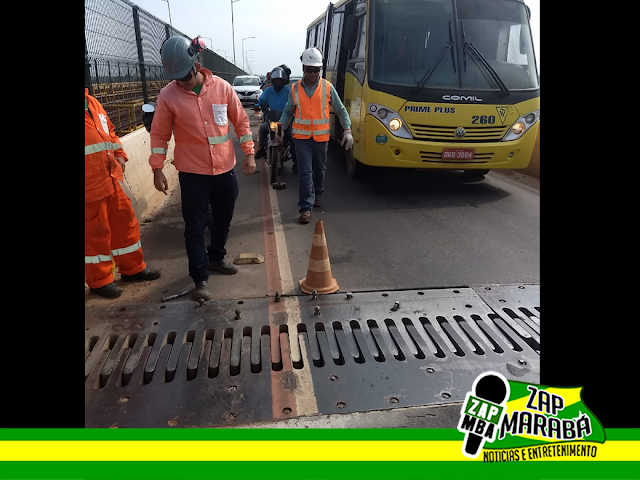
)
(405, 47)
(246, 82)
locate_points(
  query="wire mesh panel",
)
(109, 30)
(114, 66)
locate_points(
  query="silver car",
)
(248, 88)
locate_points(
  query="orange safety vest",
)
(101, 146)
(312, 114)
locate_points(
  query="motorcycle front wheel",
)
(273, 160)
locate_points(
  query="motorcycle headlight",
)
(521, 125)
(391, 119)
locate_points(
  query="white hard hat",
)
(311, 57)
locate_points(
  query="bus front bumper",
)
(408, 153)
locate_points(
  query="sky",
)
(279, 27)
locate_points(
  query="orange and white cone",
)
(319, 271)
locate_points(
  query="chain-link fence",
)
(123, 68)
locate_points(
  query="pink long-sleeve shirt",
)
(200, 125)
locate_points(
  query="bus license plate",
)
(457, 154)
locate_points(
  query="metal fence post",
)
(87, 69)
(136, 24)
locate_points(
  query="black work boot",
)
(223, 266)
(146, 274)
(110, 290)
(201, 291)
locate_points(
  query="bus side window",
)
(357, 53)
(312, 37)
(334, 41)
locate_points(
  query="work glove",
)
(347, 139)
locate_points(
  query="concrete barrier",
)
(138, 174)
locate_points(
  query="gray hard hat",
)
(178, 57)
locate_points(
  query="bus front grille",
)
(448, 134)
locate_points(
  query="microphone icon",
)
(482, 411)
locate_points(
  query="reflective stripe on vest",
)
(219, 140)
(316, 123)
(246, 138)
(163, 151)
(101, 147)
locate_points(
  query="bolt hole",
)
(233, 388)
(430, 370)
(446, 395)
(122, 309)
(286, 411)
(522, 362)
(393, 400)
(124, 399)
(162, 306)
(230, 416)
(468, 306)
(341, 405)
(155, 323)
(385, 294)
(173, 422)
(456, 291)
(502, 301)
(487, 288)
(333, 378)
(240, 302)
(420, 293)
(86, 329)
(521, 287)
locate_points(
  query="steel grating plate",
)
(176, 364)
(518, 305)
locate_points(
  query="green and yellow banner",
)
(506, 430)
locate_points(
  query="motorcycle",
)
(277, 154)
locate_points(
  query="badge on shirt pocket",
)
(220, 114)
(103, 121)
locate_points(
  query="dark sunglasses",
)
(312, 69)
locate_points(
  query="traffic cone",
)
(319, 271)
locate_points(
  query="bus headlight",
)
(395, 124)
(517, 128)
(391, 119)
(521, 125)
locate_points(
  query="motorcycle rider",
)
(275, 97)
(286, 69)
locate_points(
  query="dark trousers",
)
(199, 191)
(312, 168)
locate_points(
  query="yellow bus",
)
(440, 84)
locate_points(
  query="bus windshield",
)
(408, 37)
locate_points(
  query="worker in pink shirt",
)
(197, 107)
